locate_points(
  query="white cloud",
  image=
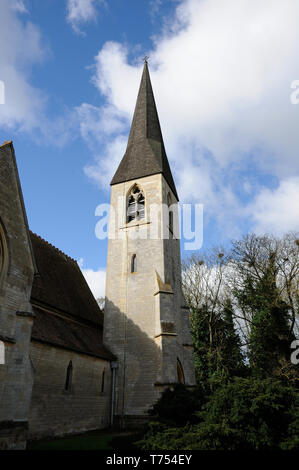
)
(23, 102)
(105, 165)
(221, 73)
(25, 108)
(97, 127)
(277, 210)
(96, 281)
(19, 6)
(155, 6)
(82, 11)
(98, 122)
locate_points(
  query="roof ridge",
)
(53, 246)
(6, 142)
(50, 309)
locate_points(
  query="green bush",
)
(244, 414)
(177, 406)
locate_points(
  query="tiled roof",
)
(60, 283)
(67, 314)
(66, 333)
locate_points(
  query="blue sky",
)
(222, 74)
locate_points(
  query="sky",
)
(223, 74)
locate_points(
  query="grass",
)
(93, 440)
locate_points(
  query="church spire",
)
(145, 154)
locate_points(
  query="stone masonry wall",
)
(55, 411)
(133, 330)
(16, 276)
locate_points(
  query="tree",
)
(242, 303)
(231, 356)
(249, 261)
(264, 306)
(243, 414)
(217, 344)
(259, 279)
(177, 406)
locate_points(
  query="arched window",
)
(131, 209)
(181, 377)
(69, 376)
(134, 264)
(103, 381)
(136, 202)
(170, 214)
(140, 206)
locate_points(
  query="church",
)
(67, 366)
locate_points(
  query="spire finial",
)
(145, 59)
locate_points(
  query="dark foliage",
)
(246, 397)
(244, 414)
(177, 406)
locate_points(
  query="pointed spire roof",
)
(145, 154)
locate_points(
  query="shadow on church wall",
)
(140, 361)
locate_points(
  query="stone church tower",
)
(146, 321)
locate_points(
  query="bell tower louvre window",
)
(136, 203)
